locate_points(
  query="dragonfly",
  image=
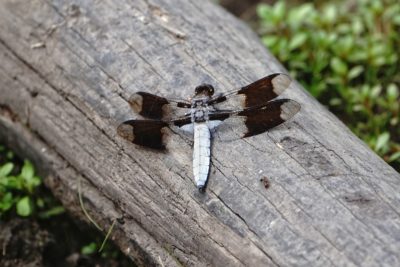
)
(240, 113)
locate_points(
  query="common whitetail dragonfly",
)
(241, 113)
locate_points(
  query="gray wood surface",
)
(67, 69)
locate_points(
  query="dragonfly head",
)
(205, 90)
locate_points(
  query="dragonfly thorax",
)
(200, 114)
(200, 110)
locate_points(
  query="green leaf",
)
(379, 61)
(27, 171)
(6, 202)
(382, 141)
(270, 40)
(89, 249)
(300, 15)
(394, 157)
(358, 55)
(394, 121)
(279, 10)
(376, 6)
(392, 58)
(375, 91)
(338, 66)
(391, 11)
(358, 108)
(12, 182)
(40, 202)
(264, 11)
(305, 10)
(396, 19)
(6, 169)
(330, 13)
(347, 43)
(392, 92)
(298, 40)
(335, 101)
(343, 28)
(357, 26)
(27, 174)
(355, 72)
(52, 212)
(24, 206)
(35, 181)
(10, 155)
(379, 49)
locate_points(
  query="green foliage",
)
(347, 55)
(89, 249)
(19, 186)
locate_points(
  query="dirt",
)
(53, 242)
(22, 243)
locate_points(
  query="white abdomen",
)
(201, 153)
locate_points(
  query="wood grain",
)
(66, 73)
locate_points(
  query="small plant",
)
(93, 248)
(18, 188)
(22, 194)
(347, 56)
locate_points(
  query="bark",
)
(66, 73)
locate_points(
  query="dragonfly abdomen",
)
(201, 153)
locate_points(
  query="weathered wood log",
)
(66, 73)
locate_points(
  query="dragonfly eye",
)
(210, 90)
